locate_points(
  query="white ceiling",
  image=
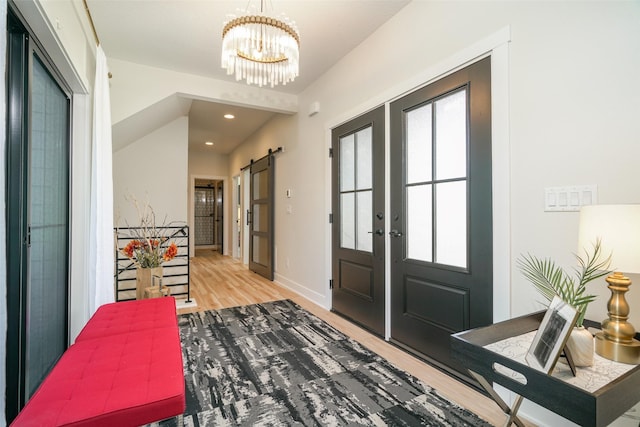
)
(185, 35)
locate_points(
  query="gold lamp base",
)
(616, 341)
(619, 352)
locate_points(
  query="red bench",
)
(125, 369)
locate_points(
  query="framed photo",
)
(551, 336)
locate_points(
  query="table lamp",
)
(618, 228)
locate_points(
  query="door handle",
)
(395, 233)
(248, 215)
(378, 232)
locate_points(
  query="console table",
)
(495, 354)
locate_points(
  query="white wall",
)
(154, 168)
(203, 163)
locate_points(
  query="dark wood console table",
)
(476, 350)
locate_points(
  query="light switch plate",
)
(570, 198)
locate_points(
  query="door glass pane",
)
(48, 217)
(364, 241)
(451, 136)
(260, 250)
(260, 217)
(363, 159)
(347, 221)
(347, 163)
(260, 185)
(419, 144)
(419, 223)
(451, 223)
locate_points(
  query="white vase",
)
(580, 344)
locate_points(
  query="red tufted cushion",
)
(129, 316)
(121, 380)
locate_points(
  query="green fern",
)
(550, 280)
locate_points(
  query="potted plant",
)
(550, 280)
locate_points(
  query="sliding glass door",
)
(38, 141)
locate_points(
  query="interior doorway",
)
(208, 207)
(208, 218)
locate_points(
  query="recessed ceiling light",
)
(229, 116)
(208, 143)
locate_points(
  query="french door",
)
(260, 217)
(37, 206)
(441, 223)
(358, 246)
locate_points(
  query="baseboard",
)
(312, 296)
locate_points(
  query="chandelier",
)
(261, 49)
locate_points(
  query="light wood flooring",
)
(220, 281)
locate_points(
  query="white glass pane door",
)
(356, 191)
(357, 235)
(436, 181)
(440, 213)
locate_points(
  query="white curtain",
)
(101, 287)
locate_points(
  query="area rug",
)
(275, 364)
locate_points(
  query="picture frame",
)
(551, 336)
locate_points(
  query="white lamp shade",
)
(618, 228)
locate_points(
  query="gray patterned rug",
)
(275, 364)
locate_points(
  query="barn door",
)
(261, 217)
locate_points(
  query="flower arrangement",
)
(148, 248)
(149, 253)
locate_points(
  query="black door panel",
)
(441, 255)
(358, 245)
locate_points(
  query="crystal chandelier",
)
(261, 49)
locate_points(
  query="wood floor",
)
(219, 282)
